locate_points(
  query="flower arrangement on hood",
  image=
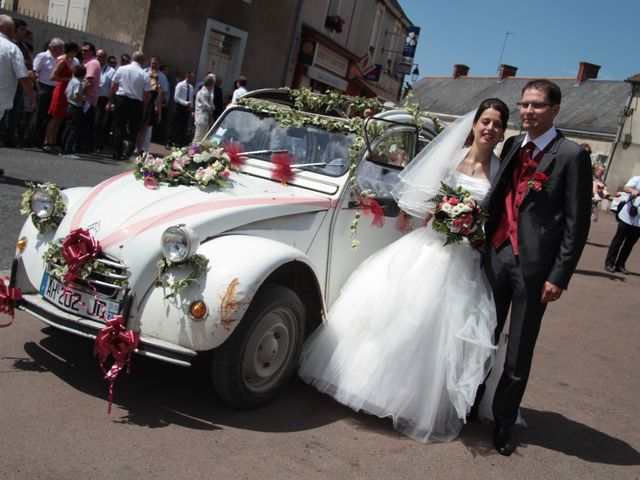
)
(200, 163)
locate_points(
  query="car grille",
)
(109, 283)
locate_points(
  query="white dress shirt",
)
(624, 216)
(132, 81)
(183, 94)
(542, 141)
(166, 88)
(43, 65)
(105, 80)
(11, 69)
(237, 93)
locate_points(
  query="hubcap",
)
(269, 349)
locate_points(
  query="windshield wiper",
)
(263, 152)
(317, 164)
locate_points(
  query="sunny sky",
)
(549, 37)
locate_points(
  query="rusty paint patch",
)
(229, 304)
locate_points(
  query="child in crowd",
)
(70, 137)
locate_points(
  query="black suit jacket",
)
(553, 223)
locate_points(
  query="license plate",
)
(86, 304)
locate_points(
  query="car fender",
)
(238, 266)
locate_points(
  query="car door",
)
(376, 175)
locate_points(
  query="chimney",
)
(459, 70)
(506, 71)
(587, 71)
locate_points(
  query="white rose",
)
(177, 154)
(197, 158)
(457, 210)
(446, 208)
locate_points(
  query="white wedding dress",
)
(410, 336)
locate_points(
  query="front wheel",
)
(262, 353)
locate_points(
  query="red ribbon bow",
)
(282, 172)
(235, 151)
(370, 207)
(77, 249)
(9, 296)
(119, 342)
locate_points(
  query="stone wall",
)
(44, 30)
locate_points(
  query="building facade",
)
(352, 46)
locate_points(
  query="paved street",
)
(581, 403)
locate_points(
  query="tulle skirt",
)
(410, 337)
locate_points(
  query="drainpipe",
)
(293, 51)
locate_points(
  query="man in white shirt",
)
(43, 65)
(628, 231)
(12, 67)
(183, 98)
(130, 91)
(241, 89)
(103, 98)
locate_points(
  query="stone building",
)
(597, 112)
(353, 46)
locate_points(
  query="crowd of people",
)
(71, 98)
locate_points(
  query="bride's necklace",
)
(472, 167)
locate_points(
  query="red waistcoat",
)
(522, 174)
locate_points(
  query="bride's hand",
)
(426, 220)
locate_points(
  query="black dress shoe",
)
(622, 270)
(503, 440)
(609, 268)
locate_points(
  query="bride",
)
(411, 335)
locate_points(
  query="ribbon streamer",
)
(9, 296)
(119, 342)
(370, 207)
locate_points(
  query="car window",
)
(389, 154)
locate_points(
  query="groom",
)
(539, 216)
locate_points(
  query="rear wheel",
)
(262, 353)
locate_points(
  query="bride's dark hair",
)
(496, 104)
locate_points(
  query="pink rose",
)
(224, 174)
(151, 183)
(453, 201)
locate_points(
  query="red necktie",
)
(526, 154)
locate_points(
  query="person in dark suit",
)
(539, 217)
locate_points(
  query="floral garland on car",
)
(43, 225)
(199, 265)
(197, 164)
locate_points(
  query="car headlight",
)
(179, 243)
(42, 204)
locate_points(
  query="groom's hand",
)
(550, 292)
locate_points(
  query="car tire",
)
(262, 353)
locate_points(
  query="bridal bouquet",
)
(457, 215)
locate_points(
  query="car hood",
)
(121, 210)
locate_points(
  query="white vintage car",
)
(278, 253)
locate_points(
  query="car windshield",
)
(311, 148)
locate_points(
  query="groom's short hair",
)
(551, 89)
